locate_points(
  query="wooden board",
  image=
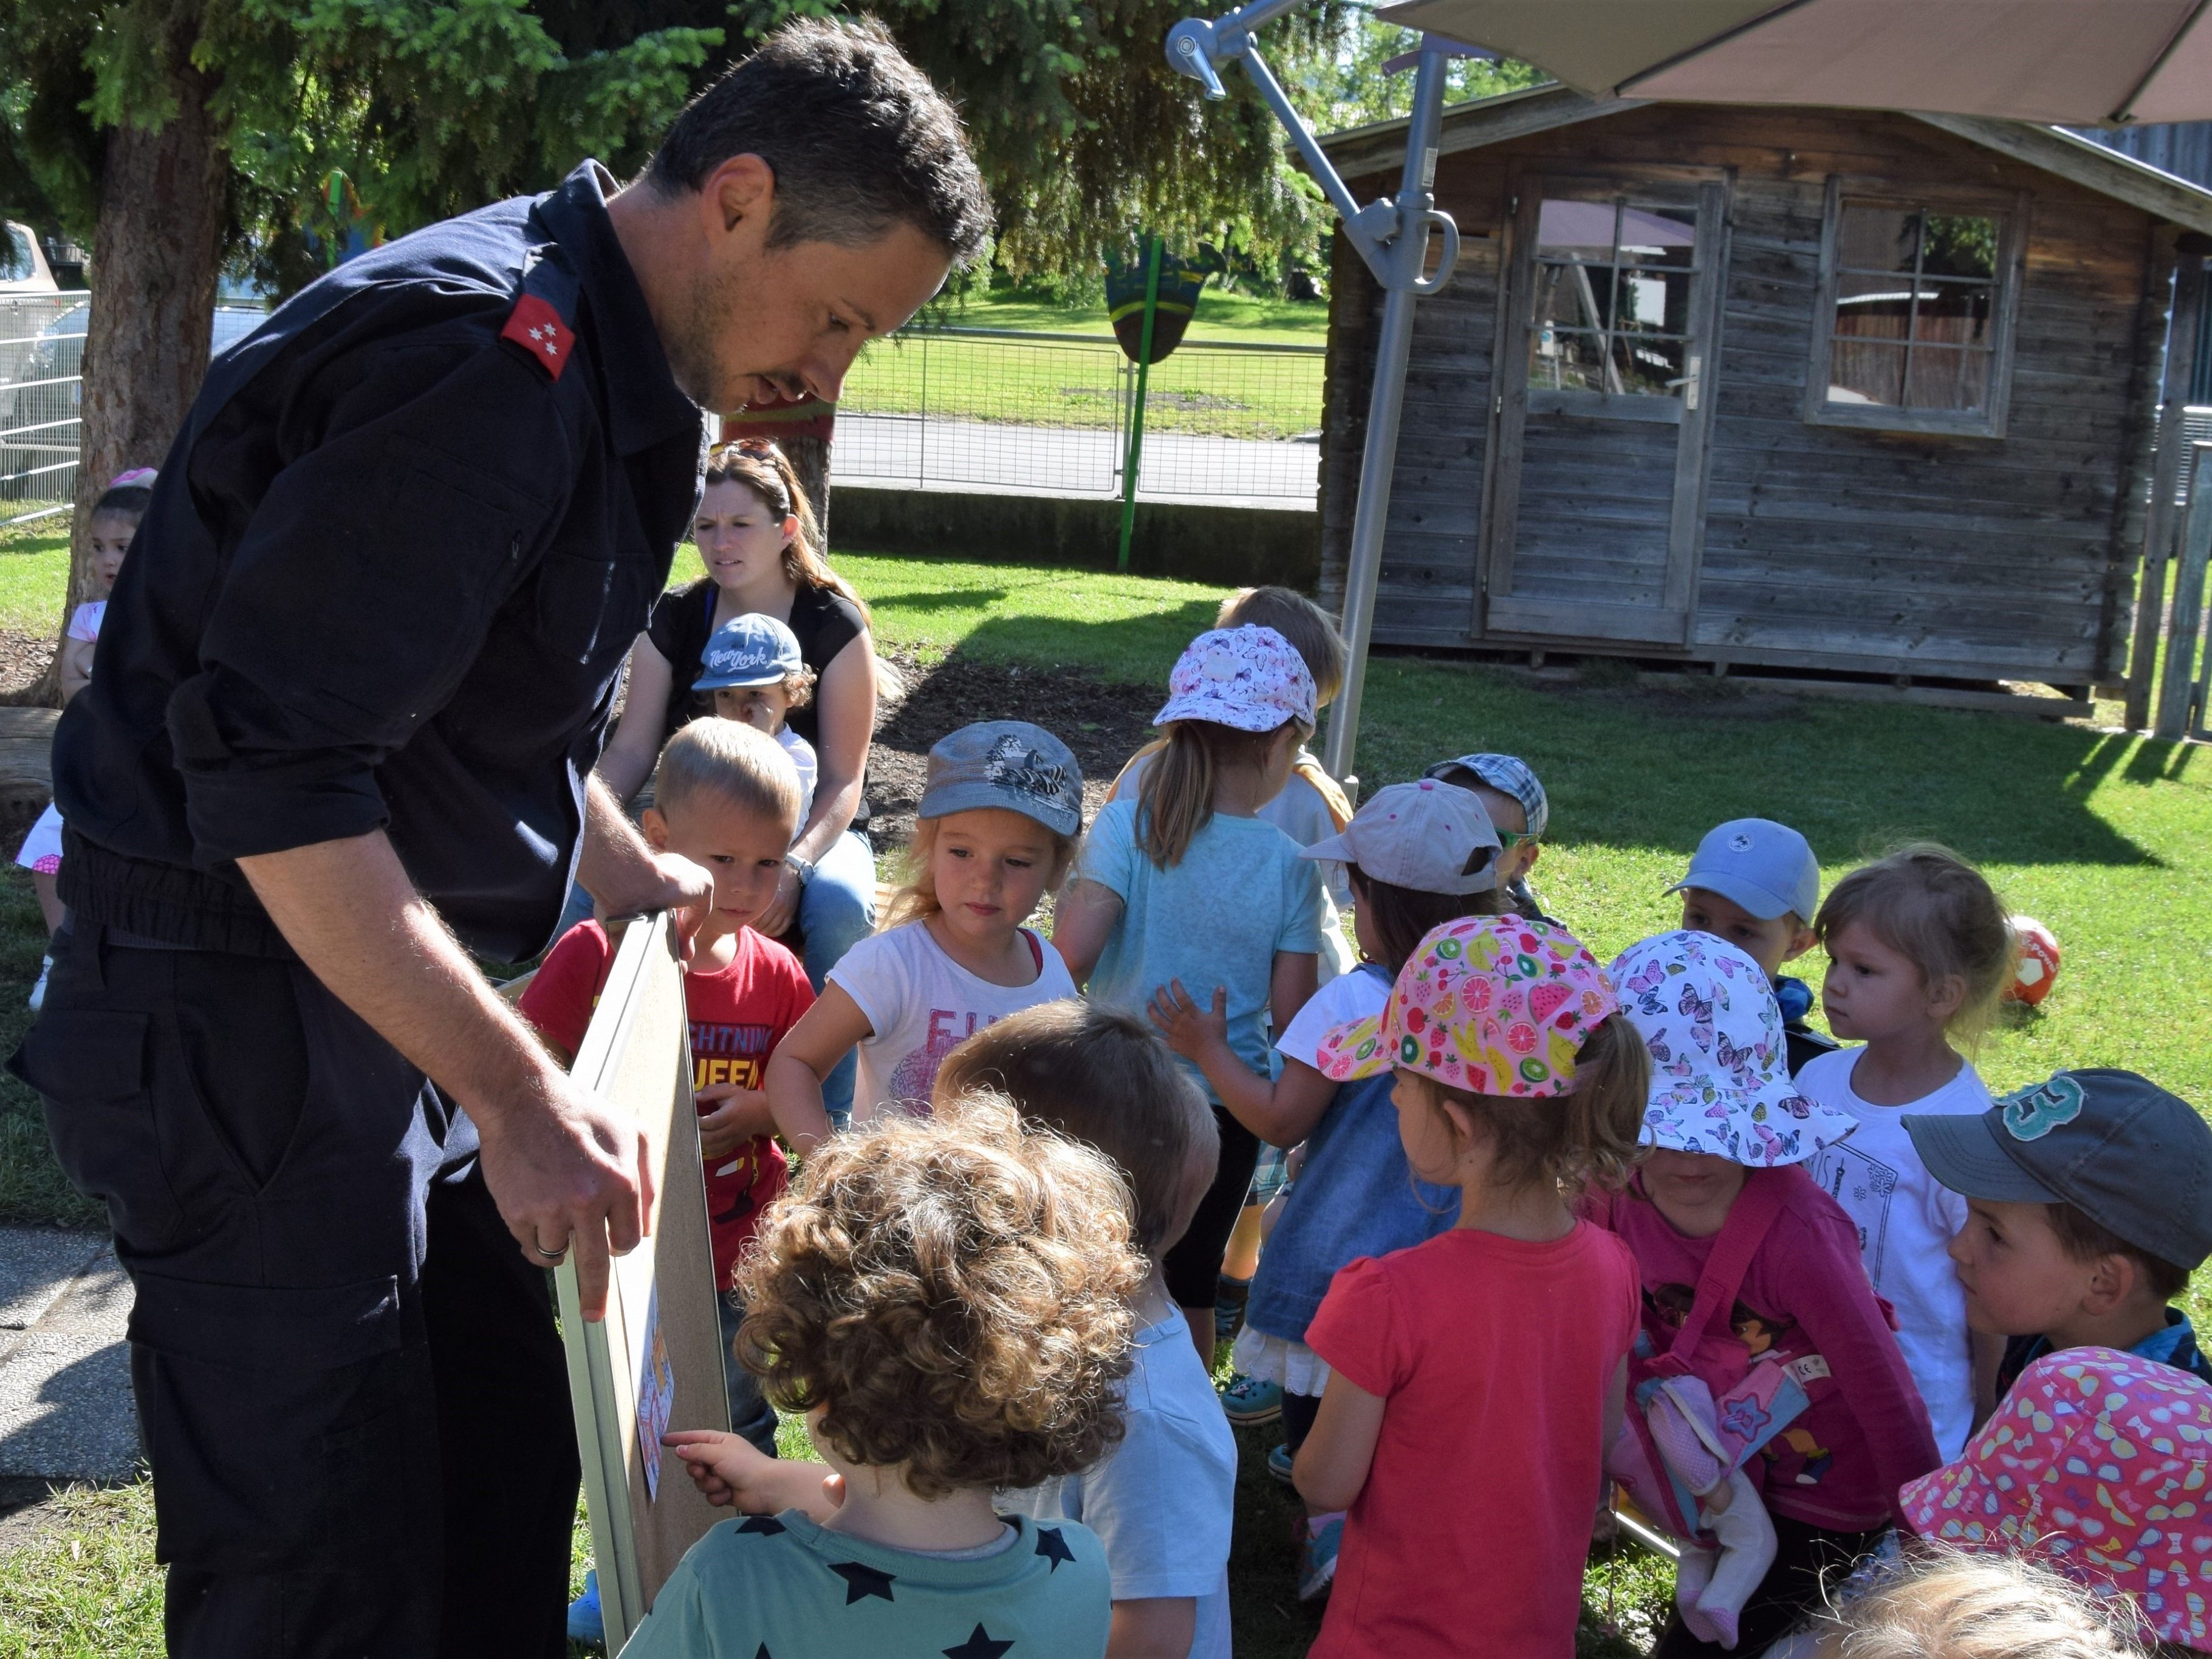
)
(637, 1059)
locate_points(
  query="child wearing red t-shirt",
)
(726, 798)
(1475, 1379)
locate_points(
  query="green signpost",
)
(1149, 329)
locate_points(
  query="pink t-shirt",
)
(1493, 1356)
(1865, 1433)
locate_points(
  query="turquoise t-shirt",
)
(782, 1587)
(1241, 894)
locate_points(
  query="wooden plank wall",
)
(1825, 546)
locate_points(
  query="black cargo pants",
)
(351, 1387)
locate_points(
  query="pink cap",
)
(2096, 1465)
(142, 476)
(1251, 678)
(1493, 1004)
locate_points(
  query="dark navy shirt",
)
(387, 581)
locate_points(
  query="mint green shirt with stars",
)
(783, 1587)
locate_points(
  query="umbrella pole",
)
(1406, 255)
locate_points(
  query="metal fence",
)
(41, 357)
(1048, 413)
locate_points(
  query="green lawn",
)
(1220, 316)
(34, 576)
(2101, 835)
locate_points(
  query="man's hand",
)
(739, 1115)
(626, 877)
(570, 1176)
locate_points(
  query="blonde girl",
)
(1186, 883)
(756, 534)
(1919, 951)
(1475, 1379)
(1000, 814)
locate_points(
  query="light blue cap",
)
(1766, 867)
(748, 650)
(1509, 776)
(1008, 764)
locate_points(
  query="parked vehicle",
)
(23, 268)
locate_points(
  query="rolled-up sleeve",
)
(361, 590)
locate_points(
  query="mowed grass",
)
(2100, 834)
(1221, 315)
(34, 576)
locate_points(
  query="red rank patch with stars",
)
(537, 329)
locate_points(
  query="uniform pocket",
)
(588, 605)
(89, 1066)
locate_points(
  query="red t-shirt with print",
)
(738, 1014)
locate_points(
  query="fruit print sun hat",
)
(1251, 678)
(1493, 1004)
(1720, 1073)
(2098, 1465)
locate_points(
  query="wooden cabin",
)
(1857, 394)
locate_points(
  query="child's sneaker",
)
(1324, 1536)
(1230, 1296)
(38, 997)
(585, 1624)
(1279, 1464)
(1247, 1401)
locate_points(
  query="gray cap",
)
(2135, 1160)
(1008, 764)
(1766, 867)
(1430, 836)
(1509, 775)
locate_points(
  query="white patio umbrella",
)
(2072, 63)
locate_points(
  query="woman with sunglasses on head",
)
(756, 534)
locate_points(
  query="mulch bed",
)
(1104, 724)
(23, 659)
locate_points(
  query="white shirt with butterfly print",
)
(1906, 1218)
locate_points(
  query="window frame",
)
(2010, 209)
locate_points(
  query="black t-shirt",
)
(823, 620)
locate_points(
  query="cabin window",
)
(1914, 331)
(1612, 288)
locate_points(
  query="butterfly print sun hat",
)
(1493, 1004)
(1720, 1074)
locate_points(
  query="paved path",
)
(1040, 460)
(66, 1410)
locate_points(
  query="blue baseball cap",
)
(1766, 867)
(748, 650)
(1009, 764)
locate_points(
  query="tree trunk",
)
(164, 195)
(809, 460)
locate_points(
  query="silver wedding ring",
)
(550, 1256)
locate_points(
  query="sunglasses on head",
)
(766, 446)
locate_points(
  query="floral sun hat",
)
(1493, 1004)
(1251, 678)
(1720, 1073)
(2096, 1465)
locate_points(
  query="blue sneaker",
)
(1324, 1537)
(1249, 1402)
(1279, 1464)
(585, 1624)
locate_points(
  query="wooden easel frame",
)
(637, 1059)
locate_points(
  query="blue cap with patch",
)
(2135, 1160)
(748, 650)
(1766, 867)
(1007, 764)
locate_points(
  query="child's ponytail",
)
(1586, 1138)
(762, 467)
(1175, 798)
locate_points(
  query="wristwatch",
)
(799, 867)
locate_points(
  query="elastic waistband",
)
(148, 904)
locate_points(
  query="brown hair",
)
(1310, 630)
(122, 501)
(2085, 1239)
(1933, 907)
(1175, 798)
(798, 688)
(1403, 917)
(953, 1291)
(916, 897)
(727, 759)
(1104, 1078)
(1947, 1604)
(762, 467)
(1588, 1138)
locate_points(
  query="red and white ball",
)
(2038, 966)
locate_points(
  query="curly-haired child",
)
(946, 1301)
(1475, 1379)
(1919, 950)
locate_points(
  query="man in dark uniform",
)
(350, 692)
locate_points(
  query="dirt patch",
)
(1104, 724)
(23, 659)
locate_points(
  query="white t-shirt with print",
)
(1906, 1218)
(920, 1005)
(1161, 1501)
(802, 757)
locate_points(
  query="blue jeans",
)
(751, 1415)
(836, 912)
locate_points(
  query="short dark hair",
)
(1104, 1078)
(2085, 1239)
(858, 138)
